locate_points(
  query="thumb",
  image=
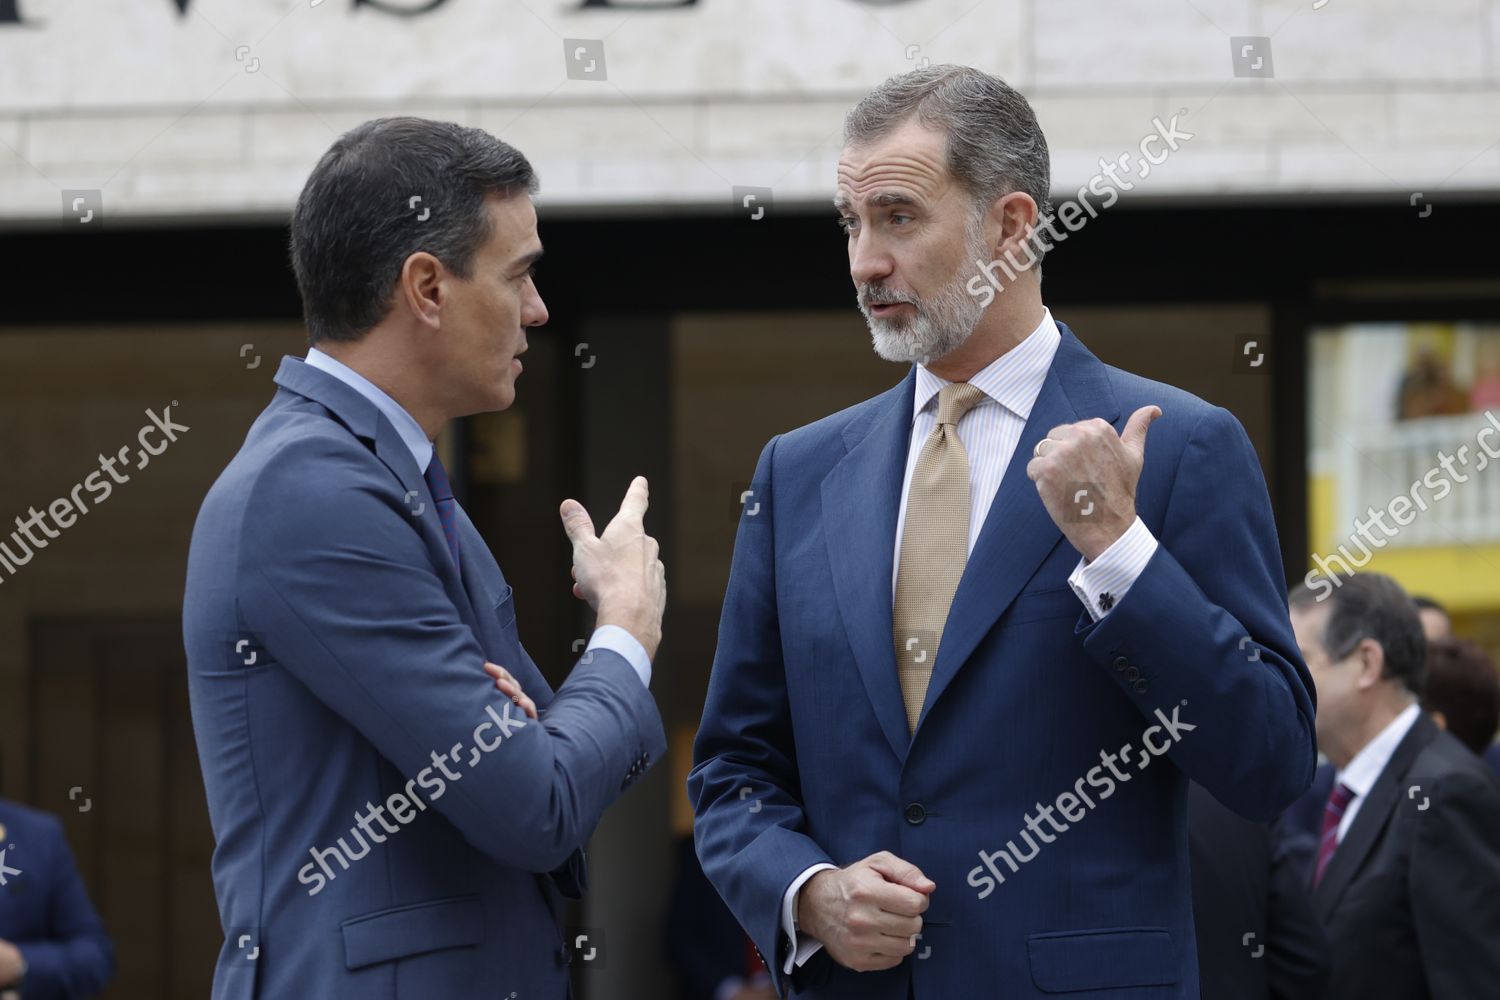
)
(1134, 434)
(576, 520)
(894, 869)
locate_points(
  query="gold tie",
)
(934, 547)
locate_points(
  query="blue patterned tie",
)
(447, 507)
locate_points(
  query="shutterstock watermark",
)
(1074, 805)
(1439, 480)
(63, 512)
(1154, 149)
(404, 805)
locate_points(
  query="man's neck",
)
(393, 379)
(996, 333)
(1373, 725)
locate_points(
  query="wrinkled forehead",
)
(908, 166)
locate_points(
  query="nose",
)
(868, 262)
(533, 309)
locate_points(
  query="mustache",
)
(874, 295)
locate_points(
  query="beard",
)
(943, 321)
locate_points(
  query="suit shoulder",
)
(1184, 416)
(824, 436)
(1453, 769)
(31, 823)
(1135, 391)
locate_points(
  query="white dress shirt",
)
(611, 637)
(1364, 770)
(989, 432)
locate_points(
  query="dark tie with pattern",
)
(447, 507)
(1333, 812)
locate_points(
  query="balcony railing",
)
(1376, 467)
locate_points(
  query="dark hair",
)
(1463, 685)
(1371, 606)
(385, 190)
(994, 144)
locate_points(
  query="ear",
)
(1009, 223)
(422, 288)
(1371, 663)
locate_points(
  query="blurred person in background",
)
(1436, 623)
(52, 944)
(1258, 936)
(1463, 695)
(1407, 872)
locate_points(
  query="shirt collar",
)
(1014, 379)
(406, 425)
(1366, 766)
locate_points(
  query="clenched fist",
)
(867, 915)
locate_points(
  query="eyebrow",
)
(883, 199)
(530, 260)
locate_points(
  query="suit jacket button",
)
(916, 815)
(1132, 674)
(1121, 663)
(1140, 687)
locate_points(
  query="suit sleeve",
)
(75, 957)
(1455, 887)
(750, 829)
(1206, 627)
(342, 592)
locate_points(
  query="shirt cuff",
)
(1101, 584)
(619, 640)
(800, 947)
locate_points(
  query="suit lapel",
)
(860, 497)
(367, 423)
(1018, 533)
(1373, 816)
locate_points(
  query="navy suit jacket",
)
(45, 910)
(335, 665)
(804, 755)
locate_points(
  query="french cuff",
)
(800, 947)
(619, 640)
(1101, 584)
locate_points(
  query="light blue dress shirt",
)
(611, 637)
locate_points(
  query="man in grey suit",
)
(388, 824)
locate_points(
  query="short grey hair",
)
(994, 144)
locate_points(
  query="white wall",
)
(155, 110)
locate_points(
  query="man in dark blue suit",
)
(968, 618)
(387, 825)
(52, 943)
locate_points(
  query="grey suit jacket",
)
(388, 825)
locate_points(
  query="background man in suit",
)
(944, 626)
(1258, 935)
(52, 944)
(343, 618)
(1407, 875)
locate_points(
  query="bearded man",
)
(966, 619)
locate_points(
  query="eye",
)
(847, 224)
(896, 216)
